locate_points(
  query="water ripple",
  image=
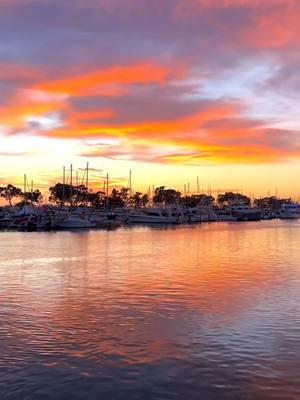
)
(209, 312)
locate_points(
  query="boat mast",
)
(107, 192)
(130, 185)
(87, 176)
(64, 183)
(25, 183)
(71, 175)
(71, 183)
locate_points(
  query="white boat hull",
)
(289, 216)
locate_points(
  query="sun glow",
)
(199, 94)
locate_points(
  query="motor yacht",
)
(74, 222)
(289, 211)
(154, 216)
(226, 215)
(245, 213)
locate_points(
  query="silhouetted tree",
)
(270, 203)
(230, 198)
(137, 199)
(33, 197)
(124, 194)
(144, 200)
(96, 199)
(75, 195)
(9, 192)
(198, 200)
(116, 199)
(166, 196)
(60, 193)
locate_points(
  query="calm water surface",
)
(204, 312)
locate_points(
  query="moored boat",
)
(289, 211)
(225, 215)
(154, 216)
(245, 213)
(74, 223)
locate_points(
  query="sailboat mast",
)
(107, 185)
(87, 176)
(130, 184)
(71, 184)
(64, 183)
(71, 175)
(107, 192)
(25, 183)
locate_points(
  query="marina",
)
(80, 207)
(49, 217)
(149, 200)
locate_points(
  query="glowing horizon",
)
(170, 90)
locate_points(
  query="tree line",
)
(11, 192)
(72, 195)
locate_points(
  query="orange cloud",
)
(143, 73)
(40, 98)
(15, 116)
(163, 130)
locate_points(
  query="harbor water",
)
(187, 312)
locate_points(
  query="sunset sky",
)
(170, 89)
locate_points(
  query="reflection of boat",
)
(153, 216)
(289, 211)
(74, 223)
(108, 224)
(245, 213)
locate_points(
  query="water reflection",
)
(209, 311)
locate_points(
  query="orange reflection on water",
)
(145, 296)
